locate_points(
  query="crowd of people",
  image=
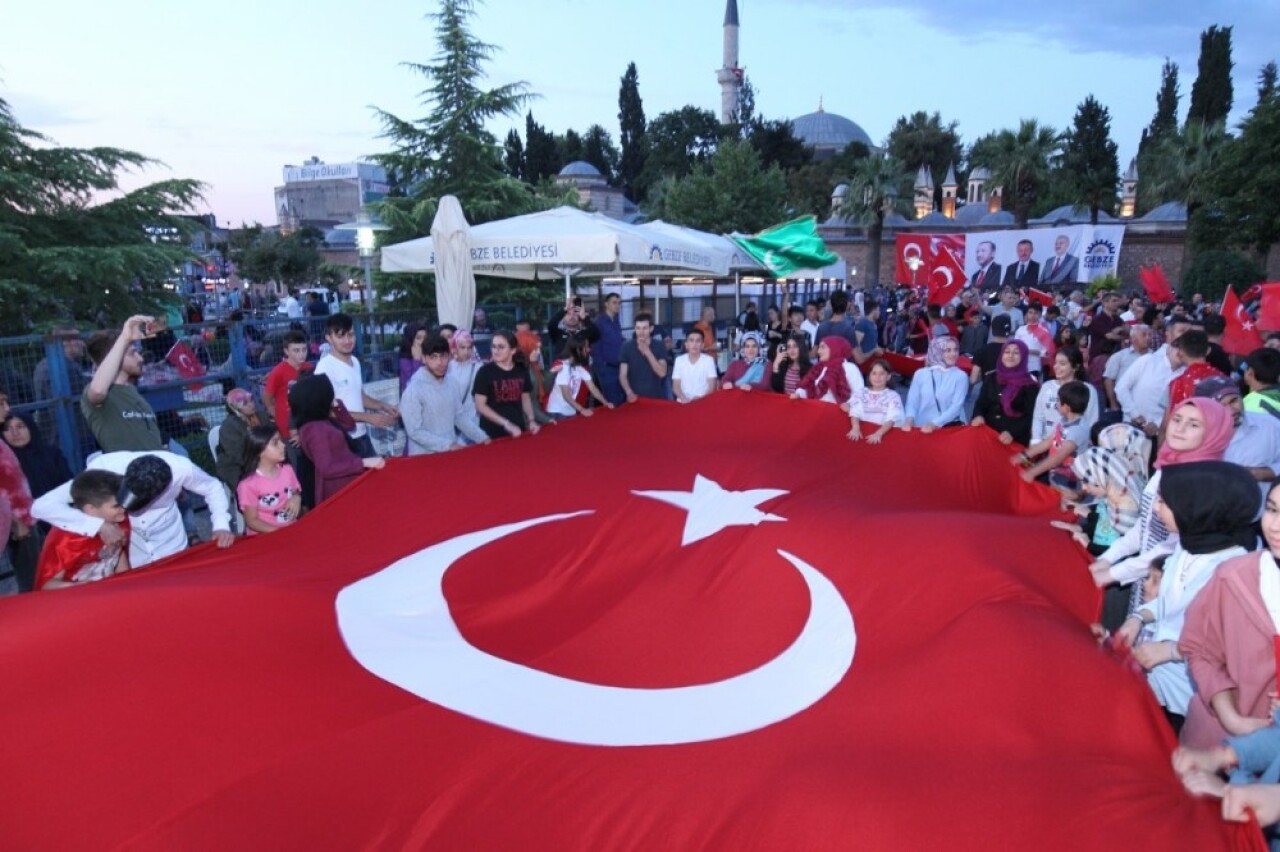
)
(1164, 446)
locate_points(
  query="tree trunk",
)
(874, 232)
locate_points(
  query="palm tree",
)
(1183, 162)
(1182, 169)
(1022, 162)
(875, 189)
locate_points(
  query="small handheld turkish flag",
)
(1156, 283)
(183, 357)
(1241, 335)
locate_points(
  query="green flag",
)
(785, 248)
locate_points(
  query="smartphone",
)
(148, 329)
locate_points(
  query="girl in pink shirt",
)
(269, 494)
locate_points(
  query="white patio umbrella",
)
(566, 242)
(739, 260)
(455, 281)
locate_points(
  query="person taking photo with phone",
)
(119, 417)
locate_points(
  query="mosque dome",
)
(827, 130)
(580, 168)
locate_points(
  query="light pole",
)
(366, 228)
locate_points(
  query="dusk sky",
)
(229, 93)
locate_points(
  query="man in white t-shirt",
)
(694, 374)
(343, 370)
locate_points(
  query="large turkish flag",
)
(939, 262)
(720, 625)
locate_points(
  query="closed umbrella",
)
(455, 280)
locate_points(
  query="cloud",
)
(1123, 27)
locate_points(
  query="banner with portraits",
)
(1058, 258)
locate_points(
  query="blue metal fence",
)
(45, 376)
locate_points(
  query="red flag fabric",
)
(1035, 295)
(938, 261)
(1241, 336)
(689, 646)
(1269, 312)
(912, 250)
(183, 357)
(1156, 283)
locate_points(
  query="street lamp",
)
(366, 228)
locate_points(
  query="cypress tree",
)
(631, 133)
(1212, 94)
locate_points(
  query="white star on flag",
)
(711, 508)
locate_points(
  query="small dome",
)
(980, 173)
(841, 190)
(1071, 214)
(823, 129)
(1171, 211)
(970, 214)
(580, 168)
(998, 218)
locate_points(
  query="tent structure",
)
(568, 243)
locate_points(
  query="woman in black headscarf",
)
(1210, 505)
(45, 469)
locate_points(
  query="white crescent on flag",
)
(397, 625)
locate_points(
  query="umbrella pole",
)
(737, 295)
(657, 300)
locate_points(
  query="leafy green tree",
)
(67, 255)
(570, 147)
(1212, 93)
(450, 150)
(1213, 271)
(631, 134)
(1089, 158)
(1021, 165)
(921, 139)
(1183, 162)
(598, 150)
(264, 255)
(810, 186)
(878, 186)
(777, 144)
(1242, 197)
(679, 141)
(541, 153)
(733, 191)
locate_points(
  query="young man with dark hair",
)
(118, 415)
(275, 391)
(343, 370)
(434, 414)
(839, 324)
(606, 351)
(1193, 347)
(151, 484)
(68, 558)
(812, 316)
(643, 366)
(1215, 325)
(867, 333)
(1262, 377)
(694, 375)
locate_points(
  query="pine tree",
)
(513, 154)
(450, 150)
(1212, 94)
(1267, 83)
(1089, 158)
(72, 246)
(631, 134)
